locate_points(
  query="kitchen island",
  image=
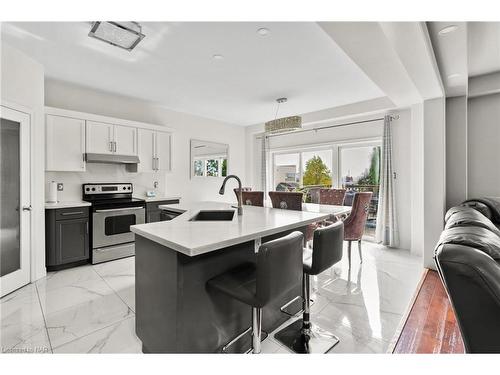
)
(175, 313)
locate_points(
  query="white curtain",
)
(387, 228)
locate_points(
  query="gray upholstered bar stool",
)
(302, 336)
(255, 284)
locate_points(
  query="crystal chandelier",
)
(285, 123)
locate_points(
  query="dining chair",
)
(332, 196)
(253, 198)
(243, 189)
(354, 225)
(286, 200)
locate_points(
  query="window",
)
(360, 171)
(210, 167)
(286, 172)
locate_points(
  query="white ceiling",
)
(451, 54)
(173, 66)
(484, 48)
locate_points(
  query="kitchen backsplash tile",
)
(101, 173)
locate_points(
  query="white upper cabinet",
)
(103, 138)
(125, 138)
(146, 139)
(154, 150)
(70, 135)
(65, 144)
(163, 151)
(99, 138)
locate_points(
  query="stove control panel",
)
(90, 189)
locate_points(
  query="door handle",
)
(157, 164)
(72, 213)
(114, 146)
(110, 146)
(27, 208)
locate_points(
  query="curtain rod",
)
(391, 117)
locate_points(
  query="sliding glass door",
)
(14, 200)
(360, 171)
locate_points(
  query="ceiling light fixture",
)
(125, 35)
(285, 123)
(453, 76)
(263, 31)
(448, 29)
(217, 57)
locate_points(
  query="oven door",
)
(112, 226)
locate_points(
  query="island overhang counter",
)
(175, 313)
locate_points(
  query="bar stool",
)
(302, 336)
(256, 284)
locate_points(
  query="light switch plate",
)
(60, 186)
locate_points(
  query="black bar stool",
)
(302, 336)
(257, 284)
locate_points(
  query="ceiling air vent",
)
(125, 35)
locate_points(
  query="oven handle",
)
(120, 209)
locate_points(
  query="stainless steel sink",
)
(213, 215)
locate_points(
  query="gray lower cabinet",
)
(66, 237)
(154, 213)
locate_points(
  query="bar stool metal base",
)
(312, 340)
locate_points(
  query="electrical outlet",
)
(60, 186)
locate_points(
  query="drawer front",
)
(72, 213)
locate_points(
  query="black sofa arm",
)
(472, 280)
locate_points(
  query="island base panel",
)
(175, 313)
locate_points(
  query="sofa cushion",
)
(479, 238)
(461, 216)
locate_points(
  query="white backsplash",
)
(101, 173)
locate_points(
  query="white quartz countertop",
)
(66, 204)
(158, 198)
(199, 237)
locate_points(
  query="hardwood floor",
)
(431, 326)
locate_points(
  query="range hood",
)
(111, 158)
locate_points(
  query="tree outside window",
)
(316, 173)
(212, 168)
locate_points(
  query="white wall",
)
(22, 84)
(483, 146)
(68, 96)
(401, 145)
(434, 167)
(456, 150)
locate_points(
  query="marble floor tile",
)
(117, 338)
(72, 295)
(22, 327)
(124, 285)
(76, 321)
(120, 266)
(67, 277)
(90, 309)
(269, 346)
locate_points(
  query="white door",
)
(162, 151)
(15, 219)
(145, 150)
(99, 137)
(65, 144)
(125, 140)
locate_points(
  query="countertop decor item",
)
(52, 192)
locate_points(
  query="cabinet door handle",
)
(87, 227)
(157, 164)
(71, 213)
(110, 146)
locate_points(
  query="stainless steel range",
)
(114, 210)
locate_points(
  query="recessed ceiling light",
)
(448, 29)
(263, 31)
(217, 57)
(454, 75)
